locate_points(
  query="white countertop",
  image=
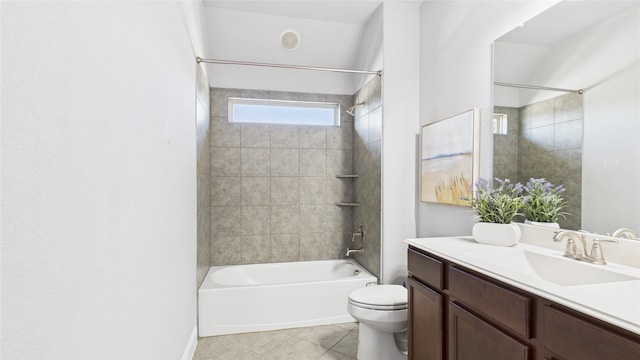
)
(616, 302)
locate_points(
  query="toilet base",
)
(377, 345)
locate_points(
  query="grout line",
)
(332, 348)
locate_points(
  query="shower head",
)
(352, 110)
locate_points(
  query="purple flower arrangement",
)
(497, 204)
(538, 200)
(543, 201)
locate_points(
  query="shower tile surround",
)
(203, 175)
(273, 187)
(505, 147)
(367, 143)
(548, 144)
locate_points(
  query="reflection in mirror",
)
(544, 140)
(625, 234)
(589, 142)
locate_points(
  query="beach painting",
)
(448, 152)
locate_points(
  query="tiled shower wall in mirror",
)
(273, 187)
(548, 145)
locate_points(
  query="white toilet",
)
(382, 313)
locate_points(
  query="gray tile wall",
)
(367, 142)
(550, 146)
(505, 147)
(273, 187)
(204, 176)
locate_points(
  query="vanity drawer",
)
(425, 268)
(506, 307)
(574, 338)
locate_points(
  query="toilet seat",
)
(380, 297)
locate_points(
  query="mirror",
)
(590, 141)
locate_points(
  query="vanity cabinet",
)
(425, 322)
(458, 314)
(574, 338)
(470, 337)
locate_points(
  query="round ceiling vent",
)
(290, 39)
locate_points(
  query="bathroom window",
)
(283, 112)
(500, 124)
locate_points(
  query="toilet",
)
(382, 313)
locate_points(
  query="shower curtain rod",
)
(579, 91)
(248, 63)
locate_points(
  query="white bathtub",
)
(258, 297)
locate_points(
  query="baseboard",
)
(190, 349)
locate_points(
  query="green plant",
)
(542, 201)
(497, 204)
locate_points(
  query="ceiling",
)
(352, 12)
(518, 55)
(565, 19)
(333, 34)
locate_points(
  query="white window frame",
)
(500, 124)
(283, 103)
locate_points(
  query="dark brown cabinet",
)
(458, 314)
(425, 322)
(471, 338)
(574, 338)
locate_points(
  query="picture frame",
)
(449, 157)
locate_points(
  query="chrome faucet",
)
(360, 233)
(624, 233)
(570, 251)
(596, 255)
(351, 251)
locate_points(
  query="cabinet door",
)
(470, 338)
(425, 322)
(574, 338)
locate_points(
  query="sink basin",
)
(564, 271)
(553, 268)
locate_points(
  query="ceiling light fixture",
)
(290, 39)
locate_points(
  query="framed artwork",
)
(449, 159)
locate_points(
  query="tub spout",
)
(351, 251)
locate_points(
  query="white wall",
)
(455, 76)
(196, 24)
(611, 149)
(98, 180)
(400, 114)
(369, 55)
(513, 63)
(611, 154)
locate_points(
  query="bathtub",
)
(258, 297)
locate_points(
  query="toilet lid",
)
(380, 297)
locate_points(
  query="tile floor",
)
(328, 342)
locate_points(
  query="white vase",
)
(496, 234)
(554, 225)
